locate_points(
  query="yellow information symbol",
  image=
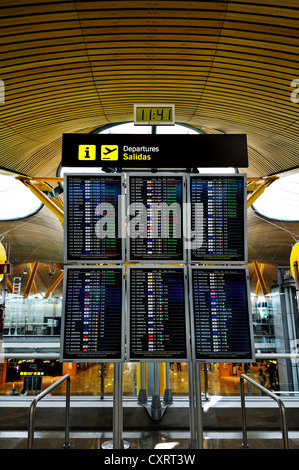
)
(87, 152)
(109, 152)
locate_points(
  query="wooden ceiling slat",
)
(227, 66)
(279, 58)
(130, 45)
(271, 36)
(252, 67)
(258, 40)
(133, 9)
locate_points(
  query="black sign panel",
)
(92, 325)
(32, 381)
(154, 150)
(155, 218)
(221, 318)
(93, 218)
(157, 314)
(218, 218)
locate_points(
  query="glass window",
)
(280, 201)
(16, 200)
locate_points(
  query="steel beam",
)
(266, 182)
(258, 284)
(51, 203)
(31, 279)
(260, 278)
(54, 285)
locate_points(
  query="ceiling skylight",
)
(16, 200)
(280, 201)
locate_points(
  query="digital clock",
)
(154, 114)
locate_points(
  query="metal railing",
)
(269, 394)
(67, 410)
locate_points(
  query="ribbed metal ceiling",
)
(73, 66)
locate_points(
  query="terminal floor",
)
(87, 381)
(158, 440)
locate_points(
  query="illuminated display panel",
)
(221, 317)
(155, 217)
(32, 382)
(93, 218)
(158, 316)
(92, 325)
(154, 114)
(218, 218)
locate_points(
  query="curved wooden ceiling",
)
(73, 66)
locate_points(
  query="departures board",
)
(158, 324)
(93, 314)
(221, 320)
(218, 221)
(94, 218)
(155, 217)
(157, 222)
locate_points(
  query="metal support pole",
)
(117, 441)
(102, 381)
(2, 313)
(142, 397)
(120, 404)
(4, 289)
(199, 415)
(156, 409)
(191, 406)
(205, 368)
(244, 427)
(116, 407)
(167, 393)
(67, 413)
(296, 283)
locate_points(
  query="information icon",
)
(87, 152)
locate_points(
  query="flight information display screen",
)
(155, 218)
(92, 314)
(93, 218)
(221, 318)
(218, 218)
(157, 314)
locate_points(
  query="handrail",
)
(67, 410)
(271, 395)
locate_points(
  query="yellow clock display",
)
(154, 114)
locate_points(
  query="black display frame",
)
(212, 357)
(85, 357)
(149, 357)
(120, 222)
(211, 259)
(137, 174)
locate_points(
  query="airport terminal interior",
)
(195, 92)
